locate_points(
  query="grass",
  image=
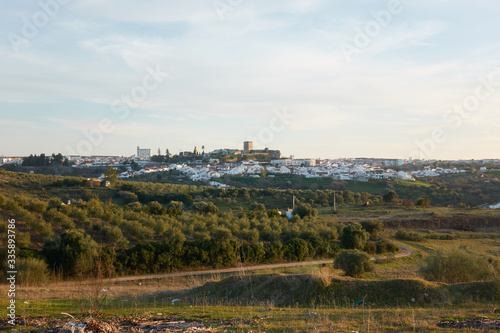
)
(237, 317)
(387, 294)
(293, 319)
(416, 183)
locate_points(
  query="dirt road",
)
(222, 270)
(405, 251)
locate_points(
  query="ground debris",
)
(482, 323)
(115, 325)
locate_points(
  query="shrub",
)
(175, 208)
(206, 208)
(374, 228)
(68, 249)
(32, 271)
(79, 214)
(41, 227)
(370, 247)
(136, 229)
(457, 266)
(424, 202)
(58, 218)
(391, 197)
(156, 208)
(128, 197)
(353, 237)
(296, 249)
(37, 206)
(114, 235)
(305, 210)
(384, 246)
(441, 236)
(23, 240)
(54, 203)
(353, 262)
(258, 207)
(408, 236)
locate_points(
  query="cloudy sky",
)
(313, 78)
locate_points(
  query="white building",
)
(143, 153)
(404, 176)
(310, 162)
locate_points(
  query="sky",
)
(312, 78)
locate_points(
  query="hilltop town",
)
(211, 166)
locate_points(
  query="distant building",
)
(308, 162)
(247, 146)
(93, 182)
(186, 153)
(378, 161)
(405, 176)
(267, 151)
(227, 151)
(11, 160)
(144, 153)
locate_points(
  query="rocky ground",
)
(483, 323)
(134, 324)
(113, 325)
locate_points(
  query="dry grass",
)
(89, 288)
(324, 274)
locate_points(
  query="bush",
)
(457, 266)
(37, 206)
(32, 272)
(296, 249)
(391, 197)
(384, 246)
(156, 208)
(206, 208)
(353, 237)
(114, 235)
(136, 229)
(175, 208)
(54, 203)
(408, 236)
(424, 202)
(58, 218)
(128, 197)
(353, 262)
(441, 236)
(41, 227)
(69, 248)
(374, 228)
(370, 247)
(305, 210)
(258, 207)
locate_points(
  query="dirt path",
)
(405, 251)
(222, 270)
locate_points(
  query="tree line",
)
(42, 160)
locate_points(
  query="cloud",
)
(226, 76)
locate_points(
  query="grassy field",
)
(294, 299)
(294, 319)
